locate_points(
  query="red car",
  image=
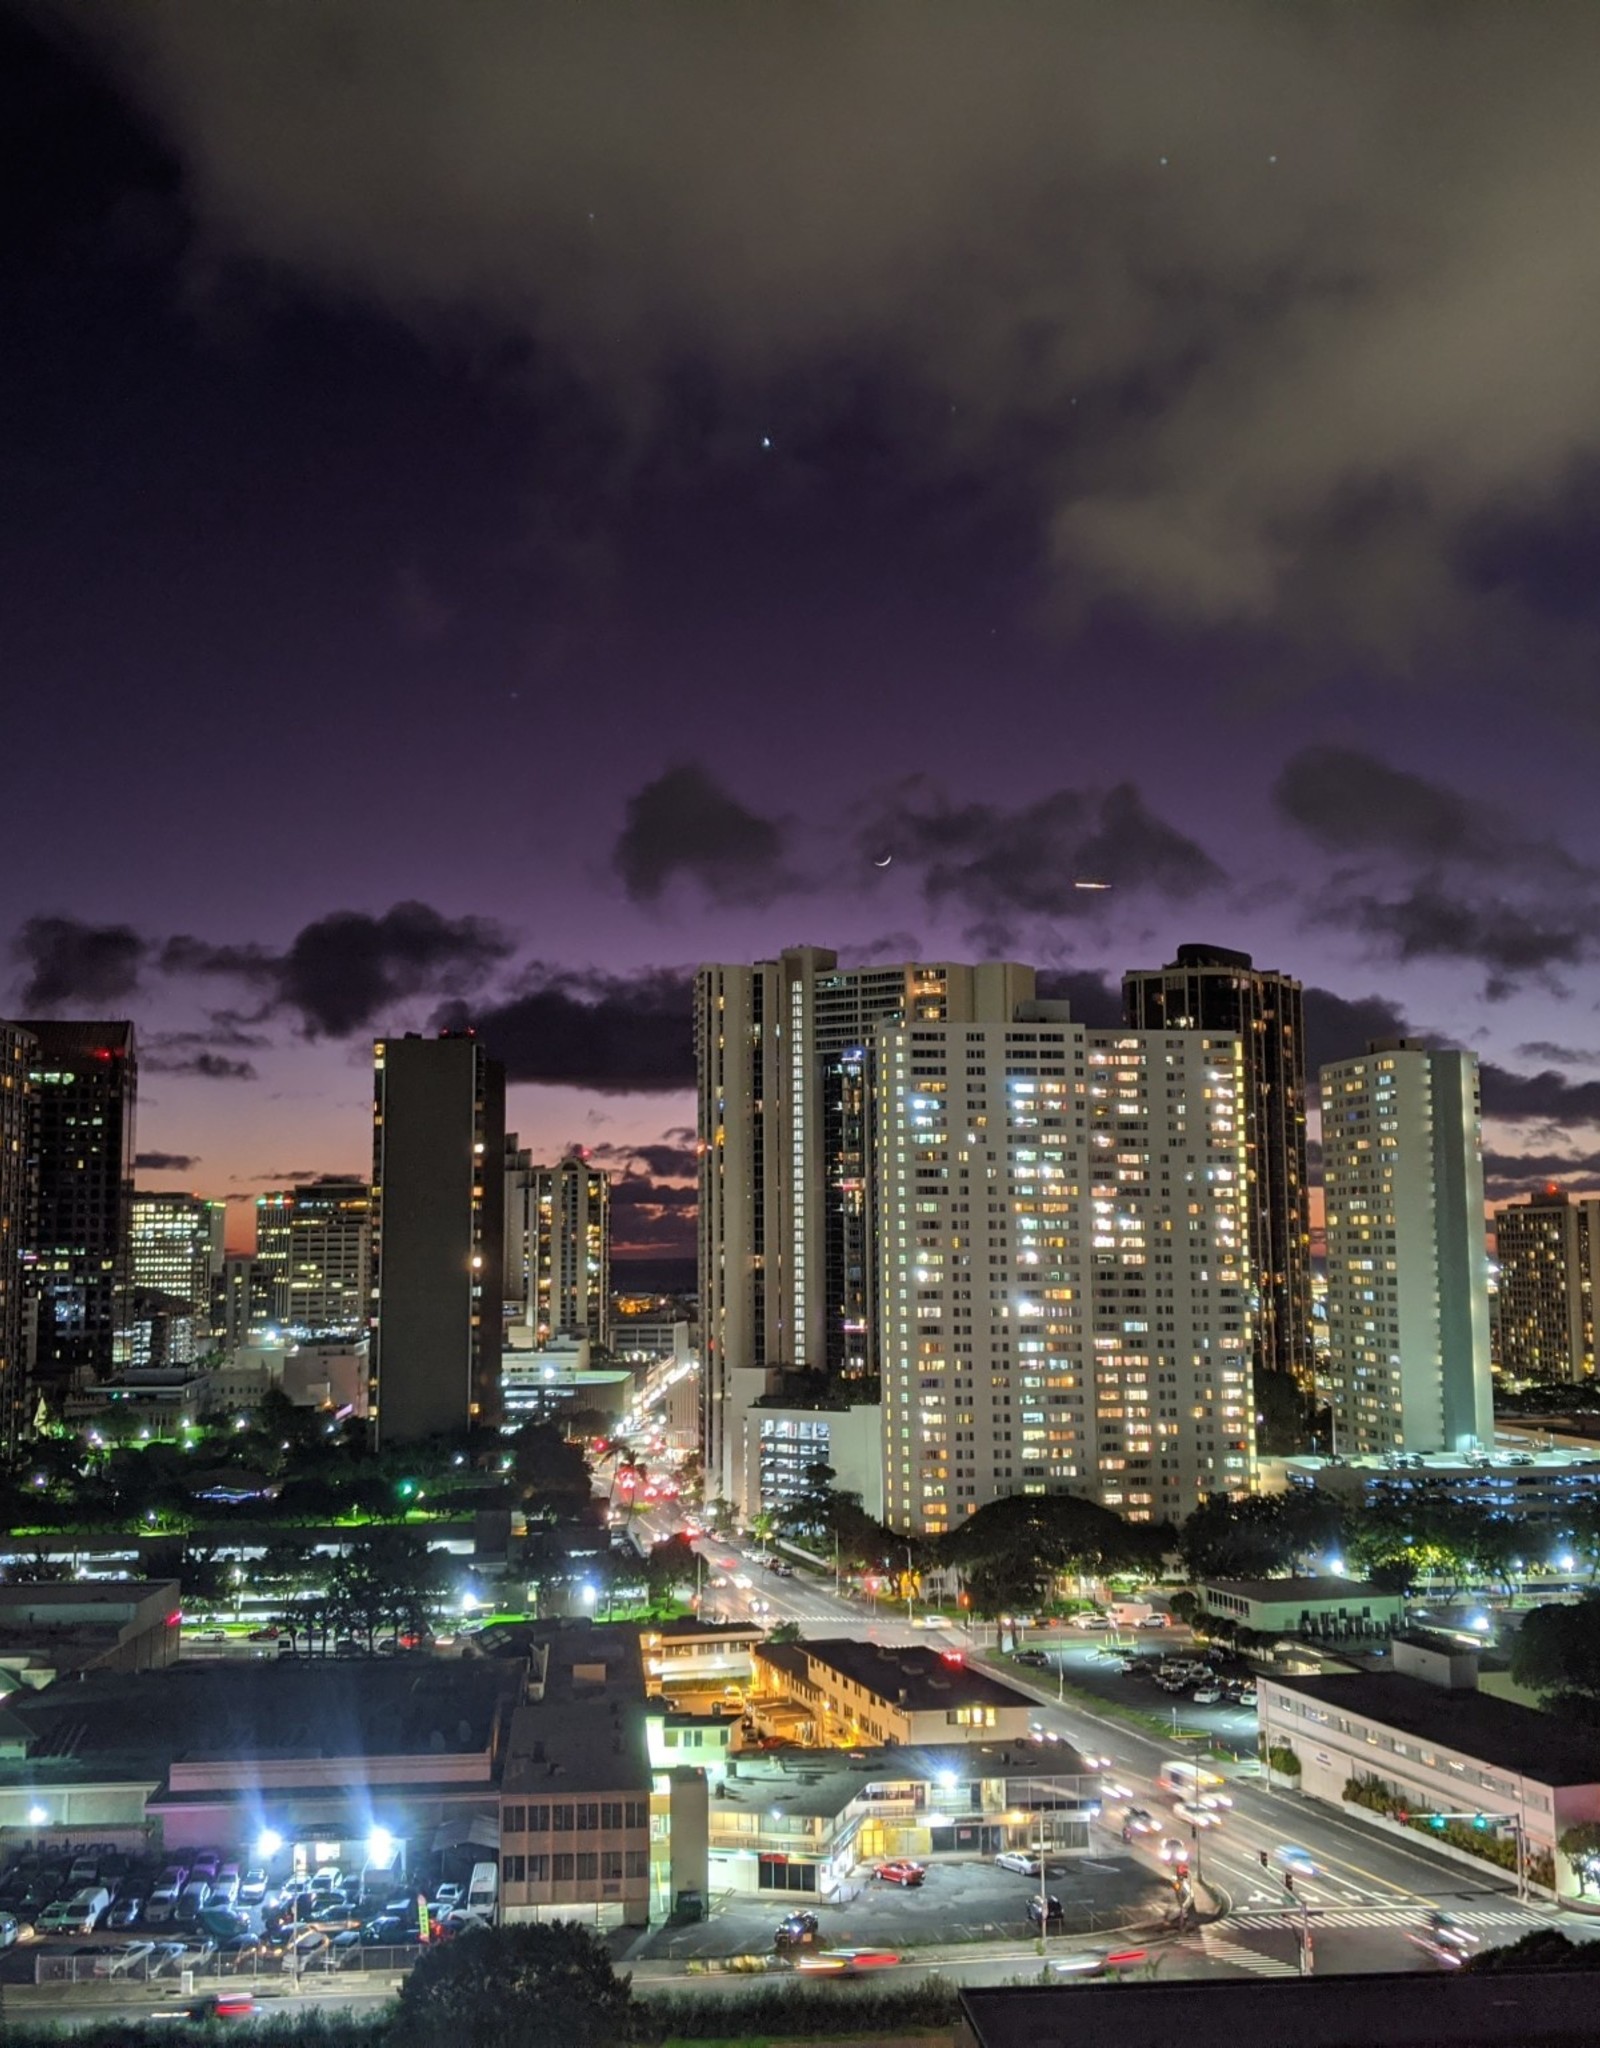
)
(902, 1872)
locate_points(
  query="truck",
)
(1130, 1613)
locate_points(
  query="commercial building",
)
(1064, 1279)
(783, 1447)
(556, 1385)
(862, 1692)
(575, 1796)
(314, 1244)
(1336, 1609)
(17, 1053)
(786, 1234)
(812, 1822)
(1440, 1746)
(50, 1631)
(177, 1246)
(244, 1307)
(1548, 1252)
(1407, 1257)
(1210, 989)
(85, 1083)
(557, 1247)
(437, 1239)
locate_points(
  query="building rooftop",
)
(920, 1679)
(136, 1725)
(822, 1782)
(586, 1733)
(1326, 1588)
(1494, 1731)
(689, 1628)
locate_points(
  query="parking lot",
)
(1091, 1666)
(961, 1900)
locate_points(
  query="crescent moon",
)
(884, 862)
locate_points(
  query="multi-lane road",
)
(1365, 1907)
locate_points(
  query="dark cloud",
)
(1514, 1173)
(1095, 1001)
(685, 823)
(1341, 1027)
(1286, 260)
(344, 972)
(1351, 801)
(649, 1217)
(72, 965)
(664, 1161)
(204, 1066)
(1547, 1097)
(165, 1162)
(616, 1034)
(1510, 943)
(1560, 1055)
(998, 862)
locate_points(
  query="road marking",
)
(1220, 1949)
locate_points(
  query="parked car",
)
(253, 1887)
(78, 1915)
(126, 1911)
(799, 1930)
(1207, 1696)
(191, 1902)
(1038, 1913)
(1017, 1860)
(10, 1930)
(902, 1872)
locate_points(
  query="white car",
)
(1215, 1802)
(1091, 1621)
(1207, 1696)
(1174, 1851)
(1017, 1860)
(1196, 1816)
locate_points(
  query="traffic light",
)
(1436, 1822)
(1479, 1821)
(1288, 1880)
(1403, 1815)
(1264, 1858)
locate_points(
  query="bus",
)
(1187, 1781)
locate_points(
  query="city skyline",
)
(653, 550)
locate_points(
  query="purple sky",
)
(502, 505)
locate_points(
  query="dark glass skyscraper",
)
(85, 1084)
(17, 1059)
(1208, 988)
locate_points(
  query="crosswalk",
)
(1380, 1916)
(1221, 1950)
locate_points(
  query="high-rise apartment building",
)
(314, 1242)
(1408, 1265)
(438, 1151)
(1548, 1249)
(177, 1247)
(787, 1247)
(17, 1059)
(243, 1307)
(558, 1247)
(1207, 988)
(1064, 1266)
(85, 1085)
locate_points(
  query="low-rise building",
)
(575, 1795)
(51, 1630)
(1327, 1607)
(808, 1821)
(873, 1693)
(1441, 1746)
(694, 1653)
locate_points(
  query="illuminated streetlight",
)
(38, 1816)
(380, 1846)
(268, 1843)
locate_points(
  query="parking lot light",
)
(380, 1846)
(268, 1843)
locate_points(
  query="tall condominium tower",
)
(1408, 1265)
(787, 1249)
(1549, 1255)
(1210, 989)
(438, 1147)
(243, 1307)
(17, 1059)
(85, 1082)
(558, 1247)
(1064, 1271)
(314, 1243)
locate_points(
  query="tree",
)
(1580, 1845)
(1004, 1585)
(548, 1470)
(1557, 1651)
(517, 1987)
(785, 1632)
(1544, 1949)
(1055, 1533)
(670, 1569)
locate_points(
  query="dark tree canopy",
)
(537, 1986)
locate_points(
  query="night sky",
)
(503, 503)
